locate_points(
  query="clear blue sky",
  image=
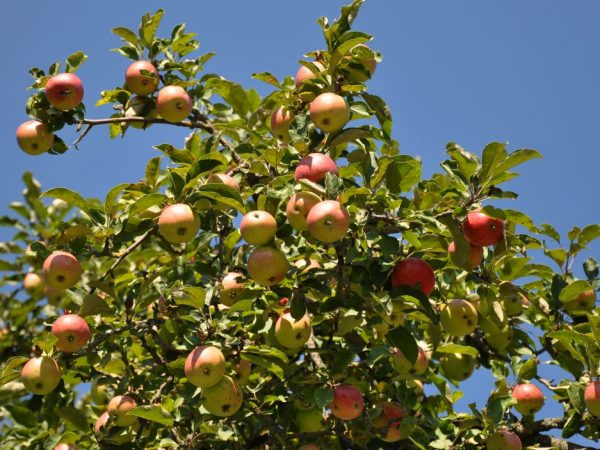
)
(471, 72)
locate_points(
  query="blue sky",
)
(471, 72)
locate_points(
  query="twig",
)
(316, 358)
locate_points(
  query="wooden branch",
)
(530, 434)
(316, 358)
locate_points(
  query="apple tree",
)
(285, 277)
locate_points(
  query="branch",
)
(127, 252)
(316, 358)
(530, 434)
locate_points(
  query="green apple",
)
(458, 367)
(41, 375)
(223, 399)
(292, 333)
(459, 318)
(310, 420)
(258, 227)
(407, 369)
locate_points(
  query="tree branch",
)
(530, 434)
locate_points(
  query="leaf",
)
(75, 60)
(45, 340)
(67, 195)
(420, 296)
(457, 348)
(498, 406)
(205, 164)
(152, 171)
(271, 366)
(323, 396)
(518, 157)
(493, 155)
(112, 195)
(92, 305)
(190, 295)
(591, 268)
(528, 370)
(222, 194)
(148, 27)
(21, 415)
(153, 413)
(146, 202)
(349, 135)
(127, 35)
(267, 78)
(403, 339)
(402, 174)
(571, 291)
(588, 234)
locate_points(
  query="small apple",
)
(504, 440)
(530, 398)
(459, 318)
(328, 221)
(53, 295)
(223, 399)
(140, 107)
(137, 82)
(310, 420)
(242, 369)
(178, 223)
(205, 366)
(581, 304)
(63, 446)
(314, 167)
(500, 339)
(173, 103)
(414, 272)
(298, 208)
(482, 230)
(475, 257)
(512, 299)
(390, 420)
(61, 270)
(40, 375)
(34, 285)
(458, 367)
(98, 393)
(347, 403)
(329, 112)
(292, 333)
(592, 398)
(101, 421)
(407, 369)
(72, 332)
(230, 288)
(280, 123)
(267, 265)
(64, 91)
(258, 227)
(304, 73)
(34, 138)
(118, 408)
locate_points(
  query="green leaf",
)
(146, 202)
(420, 296)
(498, 406)
(21, 415)
(591, 268)
(575, 288)
(192, 296)
(271, 366)
(518, 157)
(457, 348)
(75, 60)
(205, 164)
(323, 396)
(222, 193)
(45, 340)
(148, 27)
(127, 35)
(67, 195)
(152, 171)
(528, 370)
(153, 413)
(403, 339)
(589, 234)
(402, 174)
(493, 155)
(92, 305)
(112, 195)
(267, 78)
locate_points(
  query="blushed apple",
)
(173, 103)
(40, 375)
(407, 369)
(223, 399)
(267, 265)
(314, 167)
(205, 366)
(139, 83)
(414, 272)
(118, 408)
(178, 223)
(101, 421)
(281, 119)
(504, 440)
(61, 270)
(72, 332)
(230, 288)
(347, 403)
(328, 221)
(34, 285)
(64, 91)
(592, 398)
(63, 446)
(329, 112)
(243, 369)
(298, 208)
(304, 73)
(34, 137)
(258, 227)
(481, 229)
(475, 257)
(530, 398)
(582, 304)
(390, 421)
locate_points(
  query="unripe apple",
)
(347, 403)
(258, 227)
(592, 398)
(459, 318)
(414, 272)
(475, 257)
(458, 367)
(178, 223)
(34, 285)
(310, 420)
(304, 267)
(101, 422)
(223, 399)
(63, 446)
(298, 208)
(314, 167)
(267, 265)
(328, 221)
(61, 270)
(40, 375)
(205, 366)
(390, 420)
(292, 333)
(329, 112)
(140, 107)
(581, 304)
(231, 289)
(64, 91)
(118, 408)
(137, 82)
(173, 103)
(98, 393)
(530, 398)
(280, 123)
(482, 230)
(72, 332)
(242, 369)
(34, 138)
(500, 339)
(407, 369)
(512, 299)
(304, 73)
(504, 440)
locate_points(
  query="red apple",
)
(347, 403)
(390, 420)
(205, 366)
(414, 272)
(267, 265)
(328, 221)
(40, 375)
(592, 398)
(298, 208)
(329, 112)
(258, 227)
(63, 446)
(173, 103)
(137, 82)
(504, 440)
(61, 270)
(530, 398)
(475, 257)
(482, 230)
(459, 317)
(34, 285)
(118, 408)
(280, 123)
(304, 73)
(314, 167)
(34, 138)
(64, 91)
(178, 223)
(72, 332)
(231, 289)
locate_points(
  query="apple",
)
(280, 123)
(459, 318)
(504, 440)
(530, 398)
(205, 366)
(137, 82)
(223, 399)
(512, 299)
(140, 107)
(64, 91)
(224, 179)
(98, 393)
(328, 221)
(304, 73)
(310, 420)
(230, 288)
(258, 227)
(314, 167)
(118, 408)
(173, 103)
(292, 333)
(61, 270)
(34, 138)
(298, 208)
(482, 230)
(53, 295)
(101, 422)
(475, 257)
(63, 446)
(407, 369)
(329, 112)
(267, 265)
(72, 332)
(178, 223)
(457, 367)
(414, 272)
(34, 285)
(242, 369)
(581, 304)
(390, 420)
(347, 403)
(306, 266)
(500, 339)
(592, 398)
(40, 375)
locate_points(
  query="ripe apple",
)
(61, 270)
(137, 82)
(178, 223)
(34, 138)
(347, 403)
(407, 369)
(530, 398)
(72, 332)
(223, 399)
(592, 398)
(475, 257)
(205, 366)
(328, 221)
(231, 289)
(581, 304)
(314, 167)
(258, 227)
(40, 375)
(390, 420)
(267, 265)
(504, 440)
(98, 393)
(118, 408)
(304, 73)
(224, 179)
(292, 333)
(140, 107)
(64, 91)
(101, 422)
(482, 230)
(414, 272)
(63, 446)
(34, 285)
(459, 318)
(242, 369)
(310, 420)
(298, 208)
(173, 103)
(329, 112)
(458, 367)
(280, 123)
